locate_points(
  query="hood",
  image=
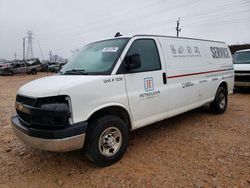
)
(242, 67)
(51, 85)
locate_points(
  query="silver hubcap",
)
(110, 141)
(222, 99)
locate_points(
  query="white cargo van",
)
(121, 84)
(242, 68)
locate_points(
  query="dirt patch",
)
(195, 149)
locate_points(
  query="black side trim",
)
(69, 131)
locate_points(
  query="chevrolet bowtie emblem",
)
(20, 106)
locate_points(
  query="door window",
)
(149, 55)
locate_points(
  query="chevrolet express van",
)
(242, 68)
(121, 84)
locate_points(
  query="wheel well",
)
(224, 84)
(113, 110)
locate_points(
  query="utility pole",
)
(50, 56)
(23, 48)
(15, 55)
(30, 54)
(178, 29)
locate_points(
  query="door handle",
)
(164, 76)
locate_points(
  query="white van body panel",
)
(192, 74)
(51, 85)
(242, 67)
(242, 71)
(88, 97)
(108, 91)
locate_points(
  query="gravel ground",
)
(195, 149)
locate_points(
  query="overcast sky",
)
(64, 25)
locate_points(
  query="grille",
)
(25, 118)
(45, 122)
(242, 72)
(242, 78)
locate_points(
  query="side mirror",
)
(133, 62)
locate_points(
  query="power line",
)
(217, 9)
(206, 15)
(231, 16)
(130, 15)
(76, 37)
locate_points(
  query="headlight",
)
(56, 111)
(56, 106)
(57, 103)
(51, 100)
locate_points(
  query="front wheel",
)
(107, 140)
(219, 105)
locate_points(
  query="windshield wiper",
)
(76, 72)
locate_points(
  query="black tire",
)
(95, 147)
(219, 105)
(33, 71)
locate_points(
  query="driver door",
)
(146, 88)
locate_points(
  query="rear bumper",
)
(242, 84)
(66, 139)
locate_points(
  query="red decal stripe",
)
(197, 73)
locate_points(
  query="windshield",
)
(98, 58)
(242, 57)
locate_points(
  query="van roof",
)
(149, 35)
(144, 35)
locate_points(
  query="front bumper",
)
(66, 139)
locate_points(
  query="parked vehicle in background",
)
(6, 68)
(241, 60)
(121, 84)
(23, 67)
(56, 67)
(20, 67)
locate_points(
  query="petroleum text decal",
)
(149, 89)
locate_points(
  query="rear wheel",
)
(107, 140)
(219, 105)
